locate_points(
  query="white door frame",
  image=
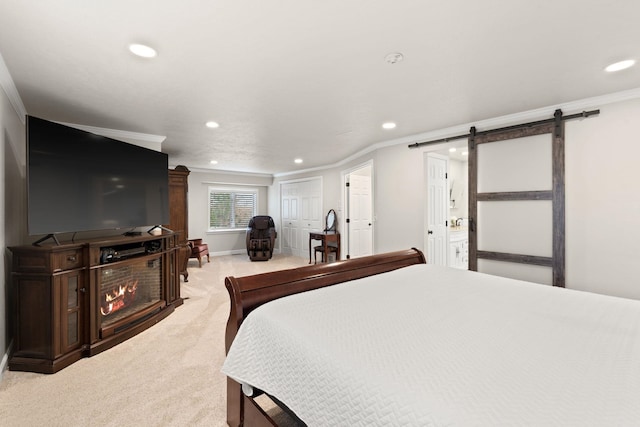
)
(344, 230)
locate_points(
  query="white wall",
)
(602, 198)
(603, 201)
(199, 183)
(399, 187)
(331, 189)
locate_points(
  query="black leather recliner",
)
(261, 236)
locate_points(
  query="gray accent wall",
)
(12, 207)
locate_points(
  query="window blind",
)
(231, 209)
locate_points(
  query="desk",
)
(326, 237)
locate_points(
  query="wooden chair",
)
(199, 249)
(320, 248)
(331, 224)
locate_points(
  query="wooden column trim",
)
(515, 195)
(473, 199)
(558, 202)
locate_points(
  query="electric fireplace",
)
(129, 289)
(77, 299)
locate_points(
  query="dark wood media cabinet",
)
(75, 300)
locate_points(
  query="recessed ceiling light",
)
(622, 65)
(388, 125)
(465, 153)
(214, 162)
(212, 125)
(298, 161)
(452, 149)
(142, 50)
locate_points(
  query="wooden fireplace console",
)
(56, 297)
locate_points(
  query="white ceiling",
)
(308, 79)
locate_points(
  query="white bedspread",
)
(428, 345)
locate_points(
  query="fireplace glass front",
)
(128, 288)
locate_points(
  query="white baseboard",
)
(4, 363)
(237, 252)
(231, 252)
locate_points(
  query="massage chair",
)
(261, 236)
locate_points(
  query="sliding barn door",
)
(516, 202)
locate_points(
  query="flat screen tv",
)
(80, 181)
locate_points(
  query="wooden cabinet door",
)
(72, 291)
(33, 311)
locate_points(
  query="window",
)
(231, 209)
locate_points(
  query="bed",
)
(401, 342)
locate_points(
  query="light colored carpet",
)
(168, 375)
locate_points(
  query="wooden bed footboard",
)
(249, 292)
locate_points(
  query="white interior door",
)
(358, 221)
(360, 216)
(436, 234)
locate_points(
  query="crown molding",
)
(115, 133)
(227, 172)
(146, 140)
(521, 117)
(318, 168)
(9, 87)
(496, 122)
(6, 82)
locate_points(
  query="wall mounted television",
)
(80, 181)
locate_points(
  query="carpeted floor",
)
(168, 375)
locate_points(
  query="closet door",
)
(289, 214)
(311, 218)
(301, 212)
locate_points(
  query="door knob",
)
(429, 232)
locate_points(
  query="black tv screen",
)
(80, 181)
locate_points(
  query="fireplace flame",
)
(119, 298)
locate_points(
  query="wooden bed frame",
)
(249, 292)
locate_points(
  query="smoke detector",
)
(394, 58)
